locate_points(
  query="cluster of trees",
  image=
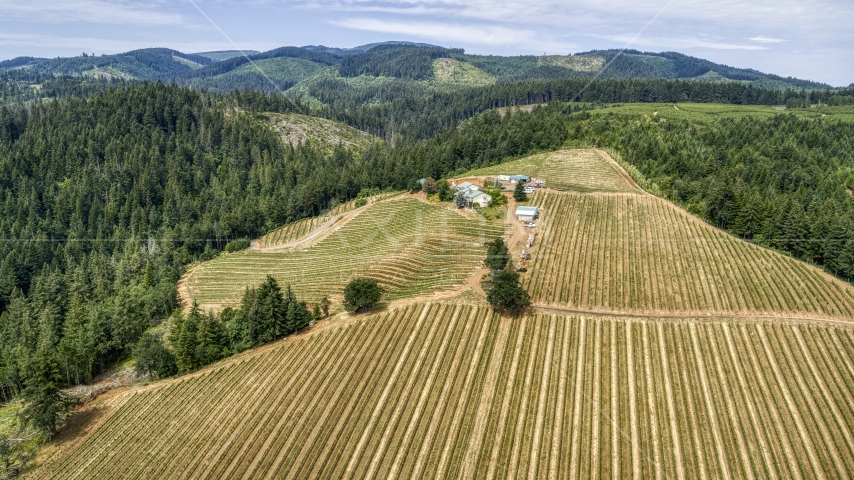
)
(503, 290)
(266, 313)
(782, 182)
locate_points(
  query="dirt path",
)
(619, 168)
(687, 317)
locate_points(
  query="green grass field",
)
(704, 112)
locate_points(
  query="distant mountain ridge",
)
(413, 65)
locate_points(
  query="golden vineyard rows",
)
(410, 246)
(445, 390)
(299, 229)
(638, 253)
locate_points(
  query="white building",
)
(527, 214)
(478, 197)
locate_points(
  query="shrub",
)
(362, 294)
(237, 245)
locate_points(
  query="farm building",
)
(519, 178)
(477, 197)
(467, 187)
(527, 214)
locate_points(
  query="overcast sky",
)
(809, 39)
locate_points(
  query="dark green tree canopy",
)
(519, 192)
(497, 255)
(362, 294)
(505, 293)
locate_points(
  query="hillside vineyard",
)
(452, 390)
(638, 253)
(405, 261)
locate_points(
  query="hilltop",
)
(404, 61)
(656, 346)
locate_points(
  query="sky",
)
(808, 39)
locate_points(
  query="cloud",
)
(89, 11)
(109, 46)
(766, 40)
(448, 32)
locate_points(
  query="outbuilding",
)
(527, 214)
(519, 178)
(478, 197)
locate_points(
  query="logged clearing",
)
(451, 390)
(450, 71)
(639, 253)
(324, 134)
(582, 170)
(409, 246)
(581, 63)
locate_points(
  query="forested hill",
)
(104, 201)
(414, 63)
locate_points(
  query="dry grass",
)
(581, 170)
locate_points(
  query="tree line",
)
(105, 200)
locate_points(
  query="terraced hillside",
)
(582, 170)
(410, 246)
(294, 231)
(452, 390)
(638, 253)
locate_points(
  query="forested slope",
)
(104, 201)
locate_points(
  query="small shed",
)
(467, 187)
(520, 178)
(478, 197)
(527, 214)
